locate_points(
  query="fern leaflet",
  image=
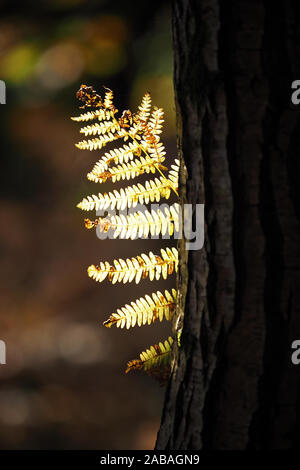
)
(140, 267)
(139, 224)
(155, 361)
(145, 310)
(130, 196)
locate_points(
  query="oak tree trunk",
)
(233, 384)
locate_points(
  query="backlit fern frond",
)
(140, 267)
(144, 108)
(133, 126)
(128, 170)
(117, 155)
(140, 152)
(100, 114)
(150, 141)
(139, 224)
(108, 99)
(99, 142)
(140, 119)
(156, 120)
(152, 190)
(145, 310)
(155, 361)
(173, 174)
(102, 128)
(157, 151)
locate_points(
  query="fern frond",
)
(156, 120)
(117, 155)
(108, 99)
(103, 128)
(141, 152)
(128, 170)
(150, 132)
(155, 361)
(173, 174)
(156, 151)
(144, 310)
(130, 196)
(100, 114)
(144, 108)
(140, 224)
(99, 142)
(141, 267)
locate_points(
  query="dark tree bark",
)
(233, 385)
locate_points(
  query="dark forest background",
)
(64, 384)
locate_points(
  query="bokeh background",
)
(64, 385)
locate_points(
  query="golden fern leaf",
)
(140, 119)
(156, 151)
(155, 361)
(112, 129)
(108, 99)
(144, 310)
(140, 224)
(102, 128)
(140, 267)
(130, 196)
(145, 107)
(101, 141)
(150, 131)
(142, 131)
(173, 174)
(156, 120)
(103, 201)
(100, 114)
(117, 155)
(128, 170)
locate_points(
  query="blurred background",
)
(64, 385)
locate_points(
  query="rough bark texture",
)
(233, 385)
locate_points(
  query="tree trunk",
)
(233, 384)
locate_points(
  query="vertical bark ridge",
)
(201, 104)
